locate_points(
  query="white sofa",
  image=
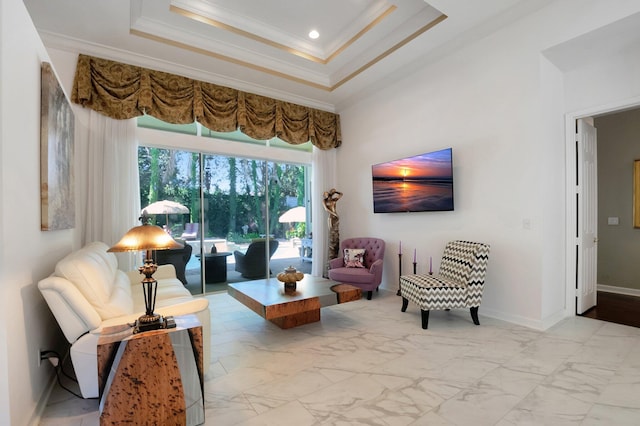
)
(87, 292)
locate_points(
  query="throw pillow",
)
(354, 258)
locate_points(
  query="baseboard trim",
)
(36, 417)
(513, 319)
(619, 290)
(42, 403)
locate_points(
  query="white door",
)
(587, 238)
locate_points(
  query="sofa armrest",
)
(338, 262)
(74, 313)
(376, 270)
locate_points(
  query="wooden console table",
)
(268, 299)
(152, 378)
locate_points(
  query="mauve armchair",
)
(367, 278)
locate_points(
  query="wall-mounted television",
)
(414, 184)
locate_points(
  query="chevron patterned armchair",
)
(459, 284)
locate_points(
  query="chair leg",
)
(425, 319)
(369, 295)
(405, 302)
(474, 315)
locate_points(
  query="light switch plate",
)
(612, 221)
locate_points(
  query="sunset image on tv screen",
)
(414, 184)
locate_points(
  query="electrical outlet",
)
(48, 355)
(44, 355)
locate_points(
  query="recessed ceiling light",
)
(314, 34)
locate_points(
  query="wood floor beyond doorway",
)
(618, 308)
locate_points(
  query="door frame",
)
(571, 209)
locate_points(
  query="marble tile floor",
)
(367, 363)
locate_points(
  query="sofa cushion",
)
(95, 274)
(350, 275)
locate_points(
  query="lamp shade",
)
(145, 237)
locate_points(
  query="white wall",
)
(27, 254)
(499, 103)
(604, 83)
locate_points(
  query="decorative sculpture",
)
(330, 199)
(290, 278)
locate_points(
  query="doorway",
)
(617, 300)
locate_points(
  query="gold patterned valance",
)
(124, 91)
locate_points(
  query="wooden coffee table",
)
(268, 299)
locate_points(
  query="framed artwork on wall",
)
(56, 155)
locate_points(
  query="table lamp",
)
(147, 237)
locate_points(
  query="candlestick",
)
(430, 264)
(399, 272)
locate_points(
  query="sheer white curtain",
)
(323, 179)
(110, 195)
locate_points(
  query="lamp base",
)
(153, 322)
